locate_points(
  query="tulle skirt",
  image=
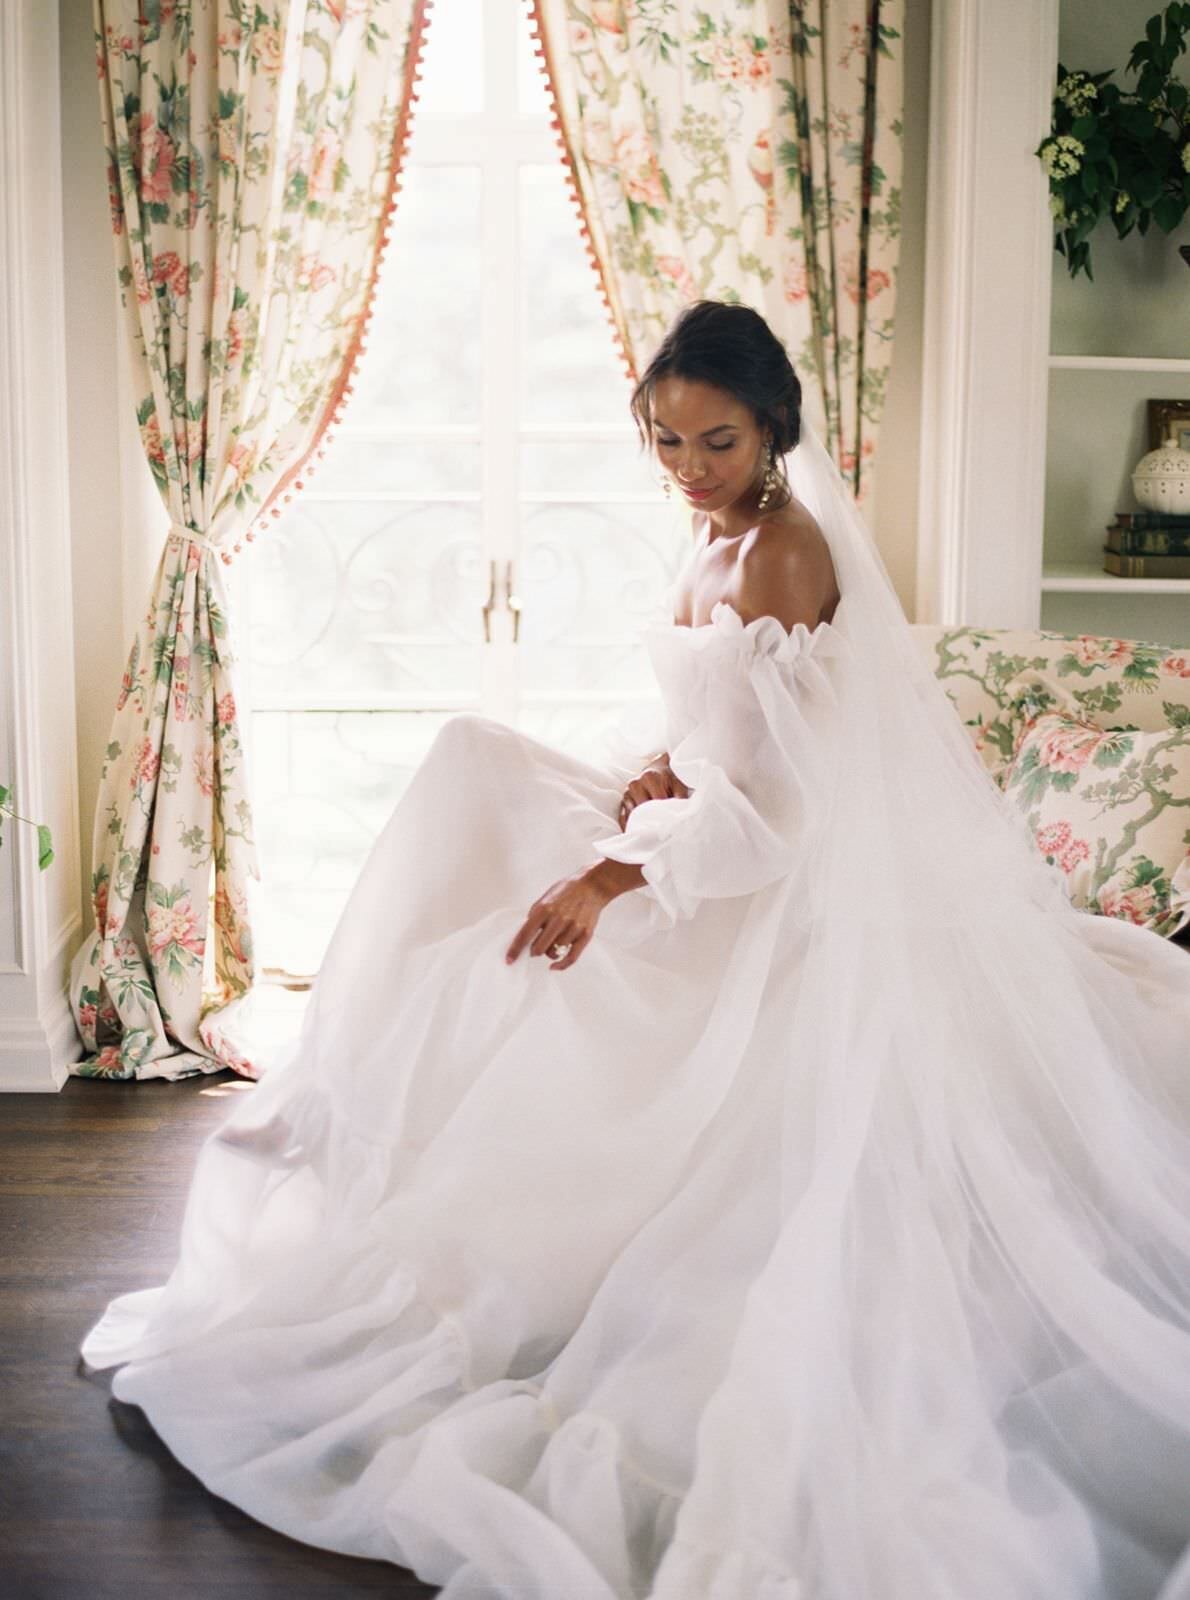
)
(754, 1258)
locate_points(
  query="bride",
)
(811, 1223)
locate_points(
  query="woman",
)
(824, 1232)
(759, 552)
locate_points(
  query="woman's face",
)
(708, 442)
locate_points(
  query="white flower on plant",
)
(1063, 156)
(1123, 201)
(1186, 156)
(1058, 208)
(1078, 92)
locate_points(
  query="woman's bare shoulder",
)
(792, 523)
(786, 571)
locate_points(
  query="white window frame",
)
(498, 141)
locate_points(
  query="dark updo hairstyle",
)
(732, 347)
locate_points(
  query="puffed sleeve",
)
(740, 699)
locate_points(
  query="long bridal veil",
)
(971, 1340)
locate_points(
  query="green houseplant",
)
(1121, 154)
(45, 847)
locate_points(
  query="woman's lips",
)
(695, 494)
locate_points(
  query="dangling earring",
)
(770, 482)
(666, 485)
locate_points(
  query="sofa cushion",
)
(976, 666)
(1114, 683)
(1111, 810)
(998, 678)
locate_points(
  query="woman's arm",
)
(734, 827)
(616, 877)
(655, 781)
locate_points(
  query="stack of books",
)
(1148, 544)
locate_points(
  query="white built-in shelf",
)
(1118, 364)
(1088, 577)
(1085, 578)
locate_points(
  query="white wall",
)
(113, 521)
(39, 911)
(989, 244)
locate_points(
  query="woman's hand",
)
(656, 782)
(561, 922)
(565, 916)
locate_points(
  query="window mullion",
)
(499, 366)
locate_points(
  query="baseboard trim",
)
(36, 1052)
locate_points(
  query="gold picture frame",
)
(1167, 414)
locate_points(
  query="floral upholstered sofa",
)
(1090, 737)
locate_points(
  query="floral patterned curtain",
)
(254, 150)
(747, 150)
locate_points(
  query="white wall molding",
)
(39, 912)
(27, 1046)
(986, 336)
(69, 936)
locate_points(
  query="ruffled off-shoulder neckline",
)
(764, 635)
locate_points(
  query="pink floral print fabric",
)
(749, 151)
(253, 158)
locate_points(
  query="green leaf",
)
(1112, 750)
(4, 793)
(1147, 188)
(1145, 871)
(1168, 212)
(45, 848)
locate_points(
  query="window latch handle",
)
(512, 602)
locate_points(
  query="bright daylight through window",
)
(486, 453)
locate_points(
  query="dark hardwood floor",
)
(92, 1186)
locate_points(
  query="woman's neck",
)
(736, 519)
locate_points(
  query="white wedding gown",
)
(783, 1248)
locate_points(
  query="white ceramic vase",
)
(1161, 481)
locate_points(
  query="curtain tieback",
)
(179, 530)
